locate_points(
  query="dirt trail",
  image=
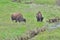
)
(58, 2)
(53, 26)
(32, 33)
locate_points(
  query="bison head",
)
(24, 20)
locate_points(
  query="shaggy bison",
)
(17, 17)
(39, 16)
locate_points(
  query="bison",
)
(18, 17)
(39, 16)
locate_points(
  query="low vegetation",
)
(9, 29)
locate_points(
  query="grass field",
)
(9, 29)
(53, 35)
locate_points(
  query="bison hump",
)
(17, 14)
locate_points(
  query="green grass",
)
(45, 1)
(41, 1)
(35, 1)
(52, 35)
(10, 30)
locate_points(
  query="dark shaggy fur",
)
(17, 17)
(39, 16)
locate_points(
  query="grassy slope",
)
(45, 1)
(9, 29)
(52, 35)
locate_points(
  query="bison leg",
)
(41, 19)
(19, 20)
(15, 20)
(38, 19)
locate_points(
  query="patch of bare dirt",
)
(58, 2)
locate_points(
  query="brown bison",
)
(17, 17)
(39, 16)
